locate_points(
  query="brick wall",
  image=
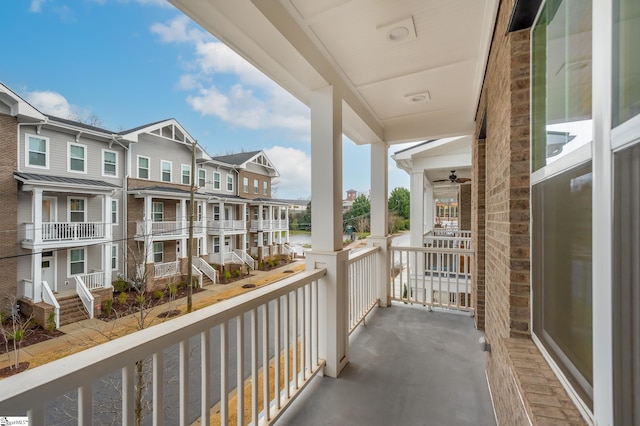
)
(8, 205)
(464, 207)
(500, 225)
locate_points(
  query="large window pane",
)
(76, 158)
(561, 80)
(562, 277)
(626, 60)
(37, 152)
(76, 262)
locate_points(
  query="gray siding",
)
(158, 149)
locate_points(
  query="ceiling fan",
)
(453, 178)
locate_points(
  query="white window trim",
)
(84, 271)
(153, 212)
(256, 186)
(114, 256)
(26, 151)
(84, 160)
(155, 252)
(162, 163)
(229, 176)
(114, 201)
(265, 187)
(203, 178)
(138, 157)
(86, 207)
(104, 151)
(219, 182)
(182, 169)
(245, 184)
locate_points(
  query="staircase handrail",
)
(50, 298)
(196, 271)
(85, 295)
(244, 256)
(207, 269)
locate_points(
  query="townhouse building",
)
(85, 206)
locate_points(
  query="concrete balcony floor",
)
(408, 366)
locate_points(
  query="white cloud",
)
(294, 166)
(36, 6)
(252, 100)
(52, 103)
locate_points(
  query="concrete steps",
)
(71, 309)
(206, 281)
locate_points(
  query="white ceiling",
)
(307, 44)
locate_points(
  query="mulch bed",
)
(8, 371)
(34, 335)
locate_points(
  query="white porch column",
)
(205, 229)
(271, 220)
(429, 208)
(148, 229)
(417, 212)
(184, 227)
(106, 217)
(326, 230)
(106, 264)
(380, 218)
(244, 235)
(286, 233)
(36, 274)
(36, 213)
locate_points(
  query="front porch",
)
(408, 366)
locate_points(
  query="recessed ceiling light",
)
(398, 33)
(418, 97)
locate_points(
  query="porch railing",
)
(438, 277)
(93, 280)
(66, 231)
(363, 295)
(195, 272)
(27, 289)
(245, 257)
(283, 315)
(269, 225)
(166, 269)
(85, 295)
(228, 225)
(49, 298)
(206, 269)
(448, 241)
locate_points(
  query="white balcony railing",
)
(206, 269)
(363, 295)
(269, 225)
(454, 240)
(66, 231)
(93, 280)
(227, 225)
(170, 228)
(283, 315)
(166, 269)
(430, 276)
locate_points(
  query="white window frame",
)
(229, 183)
(245, 184)
(148, 169)
(153, 211)
(162, 164)
(265, 187)
(256, 186)
(84, 159)
(216, 244)
(84, 261)
(184, 167)
(114, 257)
(155, 252)
(104, 162)
(114, 211)
(85, 204)
(28, 150)
(216, 182)
(202, 178)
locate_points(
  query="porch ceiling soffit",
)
(31, 181)
(165, 192)
(423, 87)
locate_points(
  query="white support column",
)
(417, 208)
(36, 214)
(36, 274)
(429, 207)
(286, 234)
(148, 229)
(106, 264)
(244, 235)
(184, 227)
(380, 218)
(205, 237)
(326, 230)
(271, 221)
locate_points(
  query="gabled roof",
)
(79, 124)
(242, 159)
(19, 107)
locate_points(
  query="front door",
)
(49, 269)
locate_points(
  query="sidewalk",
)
(91, 332)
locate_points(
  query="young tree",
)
(400, 202)
(360, 209)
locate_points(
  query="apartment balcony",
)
(407, 362)
(168, 230)
(269, 225)
(226, 227)
(61, 234)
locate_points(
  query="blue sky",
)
(131, 62)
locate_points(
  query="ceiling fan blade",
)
(441, 180)
(463, 180)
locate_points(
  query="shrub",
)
(51, 321)
(227, 275)
(140, 298)
(173, 289)
(238, 273)
(122, 298)
(120, 285)
(108, 305)
(158, 294)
